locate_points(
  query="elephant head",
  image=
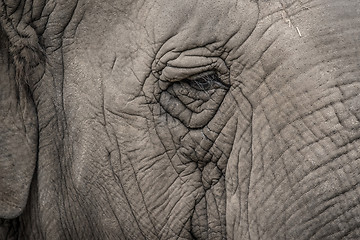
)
(180, 119)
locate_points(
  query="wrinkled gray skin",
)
(111, 128)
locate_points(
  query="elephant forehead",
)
(176, 25)
(179, 26)
(203, 18)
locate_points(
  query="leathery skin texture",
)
(180, 119)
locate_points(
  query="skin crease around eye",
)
(174, 67)
(201, 73)
(195, 100)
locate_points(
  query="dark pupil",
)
(207, 82)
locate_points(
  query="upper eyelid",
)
(188, 67)
(201, 75)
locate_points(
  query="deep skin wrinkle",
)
(122, 155)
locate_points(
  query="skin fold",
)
(180, 119)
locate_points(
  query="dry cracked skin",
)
(179, 119)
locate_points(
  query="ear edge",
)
(18, 157)
(18, 134)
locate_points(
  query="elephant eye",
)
(206, 82)
(194, 100)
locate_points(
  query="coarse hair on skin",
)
(26, 58)
(23, 49)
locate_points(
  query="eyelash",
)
(207, 82)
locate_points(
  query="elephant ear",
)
(18, 132)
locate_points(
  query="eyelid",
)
(200, 75)
(185, 66)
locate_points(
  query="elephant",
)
(189, 119)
